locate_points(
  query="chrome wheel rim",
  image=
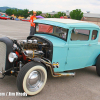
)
(35, 80)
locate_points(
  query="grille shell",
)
(2, 56)
(6, 46)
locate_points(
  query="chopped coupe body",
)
(73, 54)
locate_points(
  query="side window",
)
(94, 34)
(80, 34)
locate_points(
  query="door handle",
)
(89, 44)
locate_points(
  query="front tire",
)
(32, 78)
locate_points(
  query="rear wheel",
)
(98, 65)
(32, 78)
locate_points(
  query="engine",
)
(36, 47)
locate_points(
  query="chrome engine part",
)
(34, 48)
(32, 54)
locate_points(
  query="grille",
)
(2, 55)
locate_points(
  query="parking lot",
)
(84, 86)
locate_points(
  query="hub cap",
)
(35, 80)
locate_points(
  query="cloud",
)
(54, 5)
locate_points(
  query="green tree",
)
(31, 12)
(9, 12)
(14, 11)
(19, 13)
(48, 16)
(59, 14)
(38, 13)
(25, 13)
(76, 14)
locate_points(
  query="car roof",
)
(65, 23)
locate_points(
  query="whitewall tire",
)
(32, 78)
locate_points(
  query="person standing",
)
(32, 28)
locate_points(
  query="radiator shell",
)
(6, 46)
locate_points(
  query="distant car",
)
(12, 18)
(5, 18)
(27, 20)
(58, 46)
(17, 19)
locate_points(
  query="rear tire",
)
(98, 65)
(32, 78)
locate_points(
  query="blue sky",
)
(54, 5)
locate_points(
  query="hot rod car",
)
(58, 46)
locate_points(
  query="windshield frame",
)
(67, 30)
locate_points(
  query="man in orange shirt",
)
(32, 18)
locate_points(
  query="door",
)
(94, 47)
(78, 49)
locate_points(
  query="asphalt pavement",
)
(84, 86)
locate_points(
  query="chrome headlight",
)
(12, 57)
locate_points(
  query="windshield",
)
(52, 30)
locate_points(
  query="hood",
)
(55, 40)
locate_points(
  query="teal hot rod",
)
(58, 45)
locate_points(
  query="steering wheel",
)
(60, 34)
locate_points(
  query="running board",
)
(64, 74)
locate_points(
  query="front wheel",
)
(32, 78)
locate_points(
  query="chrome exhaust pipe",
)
(57, 74)
(65, 74)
